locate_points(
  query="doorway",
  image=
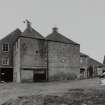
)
(40, 75)
(6, 75)
(82, 73)
(90, 71)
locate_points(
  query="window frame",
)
(4, 45)
(4, 60)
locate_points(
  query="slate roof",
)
(91, 61)
(95, 62)
(56, 36)
(12, 36)
(30, 32)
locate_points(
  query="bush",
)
(63, 76)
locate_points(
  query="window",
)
(5, 47)
(5, 61)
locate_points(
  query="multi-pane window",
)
(5, 47)
(5, 61)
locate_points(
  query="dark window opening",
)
(82, 71)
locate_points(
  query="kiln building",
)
(28, 56)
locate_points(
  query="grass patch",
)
(60, 76)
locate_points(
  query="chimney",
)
(55, 29)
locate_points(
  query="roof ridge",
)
(31, 32)
(56, 36)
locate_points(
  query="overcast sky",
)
(82, 21)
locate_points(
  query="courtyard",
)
(14, 90)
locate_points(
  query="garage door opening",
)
(6, 75)
(82, 73)
(40, 75)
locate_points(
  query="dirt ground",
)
(79, 88)
(71, 97)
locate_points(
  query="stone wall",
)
(32, 53)
(63, 57)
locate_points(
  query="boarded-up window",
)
(27, 75)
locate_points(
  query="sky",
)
(83, 21)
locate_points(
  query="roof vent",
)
(28, 23)
(55, 29)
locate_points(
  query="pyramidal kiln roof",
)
(30, 32)
(56, 36)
